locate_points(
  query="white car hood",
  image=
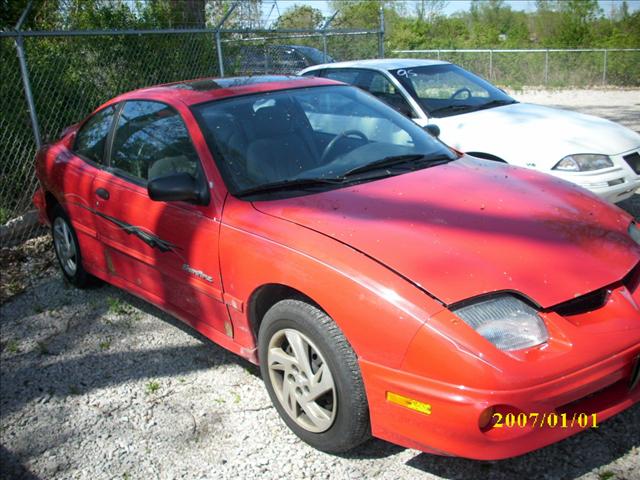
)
(533, 135)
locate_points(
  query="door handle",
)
(102, 193)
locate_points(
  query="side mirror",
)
(176, 187)
(433, 129)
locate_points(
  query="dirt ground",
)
(97, 384)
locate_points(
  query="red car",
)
(385, 283)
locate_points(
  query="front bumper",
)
(452, 426)
(613, 184)
(40, 203)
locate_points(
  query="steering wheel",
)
(331, 145)
(459, 91)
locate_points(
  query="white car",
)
(480, 119)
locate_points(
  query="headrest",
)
(272, 121)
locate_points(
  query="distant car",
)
(385, 283)
(276, 59)
(482, 120)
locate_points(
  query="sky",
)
(271, 8)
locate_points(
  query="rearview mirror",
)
(177, 187)
(433, 129)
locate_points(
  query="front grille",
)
(585, 303)
(633, 159)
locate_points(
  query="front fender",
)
(378, 311)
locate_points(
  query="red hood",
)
(472, 226)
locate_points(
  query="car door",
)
(75, 170)
(168, 251)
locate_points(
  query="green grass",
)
(13, 346)
(606, 475)
(105, 345)
(152, 387)
(117, 306)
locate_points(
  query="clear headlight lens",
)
(583, 162)
(506, 321)
(634, 232)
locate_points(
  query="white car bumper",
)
(613, 184)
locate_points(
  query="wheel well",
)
(486, 156)
(266, 297)
(51, 203)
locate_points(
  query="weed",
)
(13, 346)
(105, 345)
(117, 306)
(153, 386)
(606, 475)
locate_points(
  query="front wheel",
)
(312, 376)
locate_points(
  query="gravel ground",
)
(98, 384)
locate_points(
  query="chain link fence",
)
(553, 68)
(72, 73)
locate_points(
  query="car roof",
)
(381, 63)
(200, 90)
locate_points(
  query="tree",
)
(300, 16)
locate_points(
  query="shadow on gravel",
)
(42, 376)
(11, 468)
(568, 459)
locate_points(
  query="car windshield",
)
(314, 138)
(445, 90)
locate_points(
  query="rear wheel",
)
(67, 248)
(312, 376)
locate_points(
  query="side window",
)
(386, 91)
(346, 76)
(151, 141)
(92, 136)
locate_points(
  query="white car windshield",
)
(310, 139)
(445, 90)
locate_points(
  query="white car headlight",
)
(583, 162)
(634, 232)
(506, 321)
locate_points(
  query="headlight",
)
(634, 232)
(583, 162)
(508, 323)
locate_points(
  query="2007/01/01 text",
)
(550, 420)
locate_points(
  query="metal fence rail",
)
(52, 79)
(552, 67)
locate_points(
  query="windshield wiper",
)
(397, 160)
(452, 108)
(294, 184)
(495, 103)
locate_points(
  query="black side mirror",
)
(433, 129)
(175, 187)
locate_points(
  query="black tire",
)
(78, 276)
(350, 425)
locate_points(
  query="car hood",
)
(472, 226)
(524, 133)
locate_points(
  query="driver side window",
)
(152, 141)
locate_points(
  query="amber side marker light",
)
(407, 402)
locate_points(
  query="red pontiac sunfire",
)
(385, 283)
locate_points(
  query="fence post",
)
(381, 34)
(490, 64)
(24, 74)
(546, 66)
(604, 68)
(219, 41)
(324, 36)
